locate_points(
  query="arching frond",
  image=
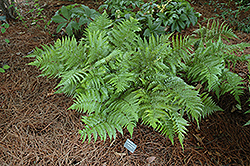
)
(121, 81)
(209, 105)
(209, 69)
(123, 34)
(97, 124)
(69, 80)
(89, 101)
(233, 84)
(101, 23)
(98, 46)
(180, 126)
(214, 30)
(124, 111)
(181, 47)
(184, 96)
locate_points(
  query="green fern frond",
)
(181, 47)
(90, 101)
(156, 110)
(166, 127)
(233, 84)
(208, 70)
(214, 31)
(71, 53)
(162, 104)
(98, 125)
(47, 60)
(56, 60)
(98, 46)
(101, 23)
(180, 126)
(72, 77)
(184, 96)
(152, 106)
(150, 57)
(209, 105)
(93, 79)
(121, 81)
(123, 34)
(152, 117)
(231, 52)
(124, 111)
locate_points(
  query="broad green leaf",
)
(147, 32)
(247, 112)
(6, 25)
(188, 23)
(183, 17)
(60, 26)
(58, 19)
(182, 24)
(78, 10)
(175, 16)
(87, 11)
(175, 26)
(71, 26)
(65, 12)
(193, 19)
(69, 29)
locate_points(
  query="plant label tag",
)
(130, 146)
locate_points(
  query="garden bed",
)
(37, 129)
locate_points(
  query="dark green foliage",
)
(74, 18)
(154, 18)
(177, 14)
(125, 6)
(117, 78)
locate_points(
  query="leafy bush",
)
(124, 6)
(74, 18)
(155, 18)
(118, 77)
(177, 15)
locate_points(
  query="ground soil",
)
(37, 129)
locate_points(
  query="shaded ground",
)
(37, 129)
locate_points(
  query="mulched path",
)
(37, 129)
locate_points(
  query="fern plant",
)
(118, 77)
(208, 63)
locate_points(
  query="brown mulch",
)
(37, 129)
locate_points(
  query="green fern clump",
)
(208, 62)
(117, 78)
